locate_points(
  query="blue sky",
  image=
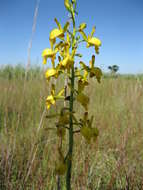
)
(119, 24)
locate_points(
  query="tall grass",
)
(27, 158)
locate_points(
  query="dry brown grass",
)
(114, 162)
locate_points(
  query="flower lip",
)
(50, 72)
(55, 33)
(48, 53)
(94, 41)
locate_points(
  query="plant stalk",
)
(71, 133)
(70, 151)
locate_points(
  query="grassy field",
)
(28, 150)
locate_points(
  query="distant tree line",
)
(113, 68)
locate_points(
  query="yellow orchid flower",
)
(92, 41)
(48, 53)
(51, 73)
(67, 62)
(55, 33)
(58, 32)
(62, 47)
(83, 99)
(68, 59)
(51, 99)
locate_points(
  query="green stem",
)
(70, 150)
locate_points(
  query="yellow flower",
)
(51, 73)
(51, 99)
(58, 32)
(48, 53)
(68, 59)
(92, 41)
(67, 62)
(83, 99)
(55, 33)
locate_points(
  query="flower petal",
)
(48, 53)
(55, 33)
(94, 41)
(50, 72)
(50, 101)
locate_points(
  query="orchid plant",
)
(64, 42)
